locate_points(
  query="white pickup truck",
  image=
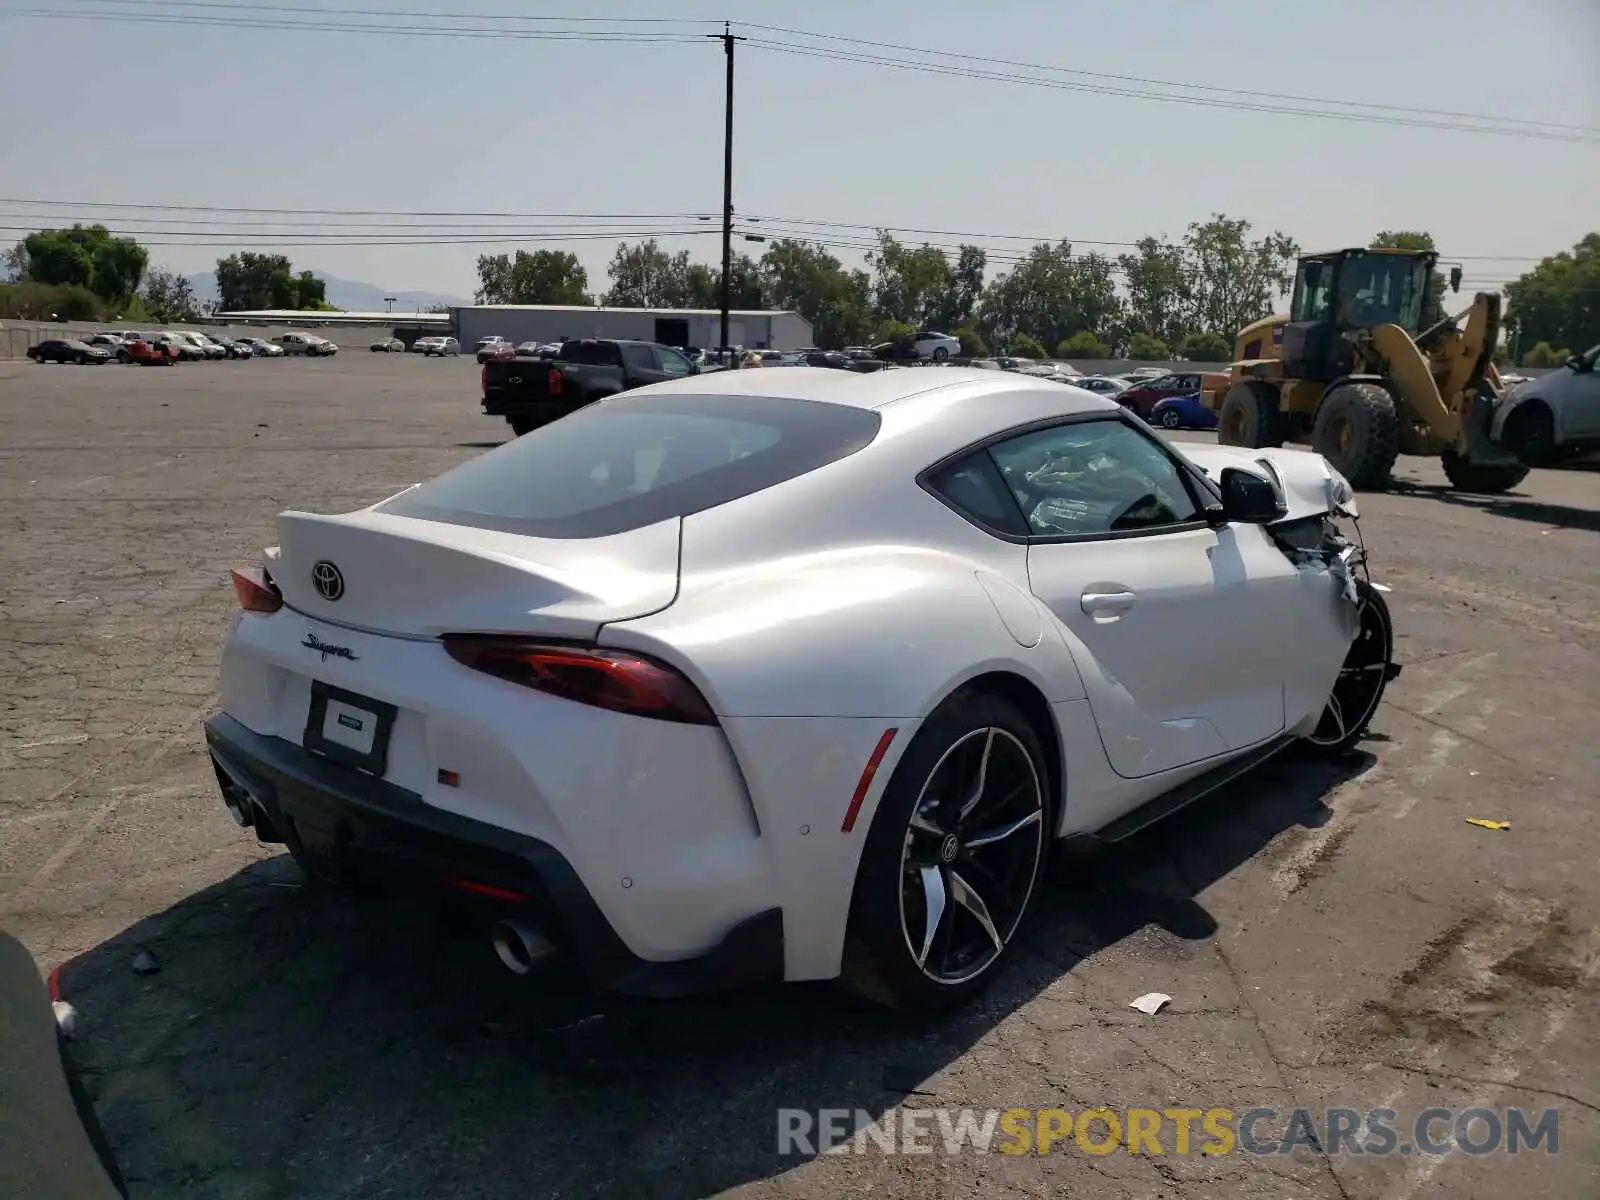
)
(305, 343)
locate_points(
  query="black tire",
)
(1487, 479)
(522, 425)
(1358, 431)
(124, 357)
(890, 899)
(940, 353)
(1362, 679)
(1531, 435)
(1249, 416)
(1171, 419)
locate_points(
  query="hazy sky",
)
(187, 114)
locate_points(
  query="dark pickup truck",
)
(530, 392)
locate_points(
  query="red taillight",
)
(256, 591)
(557, 382)
(483, 379)
(610, 679)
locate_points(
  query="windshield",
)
(636, 460)
(1382, 289)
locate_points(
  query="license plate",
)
(349, 728)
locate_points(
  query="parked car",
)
(69, 350)
(1105, 385)
(59, 1147)
(208, 347)
(441, 347)
(1183, 412)
(261, 347)
(231, 347)
(1555, 417)
(388, 345)
(494, 347)
(528, 395)
(1143, 395)
(1149, 372)
(113, 344)
(182, 348)
(537, 349)
(829, 747)
(308, 345)
(151, 352)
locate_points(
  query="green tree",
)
(1083, 344)
(1433, 309)
(645, 276)
(1559, 300)
(310, 292)
(805, 278)
(1544, 355)
(539, 277)
(1160, 296)
(919, 286)
(891, 330)
(1052, 292)
(1145, 348)
(973, 343)
(247, 281)
(1235, 280)
(1023, 346)
(1204, 346)
(86, 256)
(169, 297)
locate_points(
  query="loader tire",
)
(1249, 416)
(1358, 431)
(1488, 479)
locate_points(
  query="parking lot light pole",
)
(727, 39)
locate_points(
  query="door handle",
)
(1107, 602)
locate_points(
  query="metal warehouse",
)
(754, 329)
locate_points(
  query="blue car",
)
(1183, 412)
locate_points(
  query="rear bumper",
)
(542, 411)
(321, 807)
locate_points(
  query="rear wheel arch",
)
(1025, 696)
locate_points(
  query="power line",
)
(654, 30)
(1160, 97)
(162, 237)
(793, 227)
(639, 36)
(1198, 87)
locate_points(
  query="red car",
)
(1143, 396)
(152, 354)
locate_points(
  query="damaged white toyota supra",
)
(790, 674)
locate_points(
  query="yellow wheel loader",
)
(1352, 371)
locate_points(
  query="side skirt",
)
(1182, 796)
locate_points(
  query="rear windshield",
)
(632, 461)
(594, 354)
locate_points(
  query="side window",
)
(975, 488)
(673, 364)
(1094, 478)
(638, 358)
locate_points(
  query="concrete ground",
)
(1330, 937)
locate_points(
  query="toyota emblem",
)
(328, 581)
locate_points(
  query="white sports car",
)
(790, 674)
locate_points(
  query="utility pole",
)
(727, 39)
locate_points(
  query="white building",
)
(701, 327)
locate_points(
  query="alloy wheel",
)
(971, 857)
(1361, 681)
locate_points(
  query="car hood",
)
(1306, 481)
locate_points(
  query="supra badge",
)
(328, 650)
(328, 580)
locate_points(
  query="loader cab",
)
(1339, 293)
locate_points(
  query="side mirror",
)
(1455, 279)
(1248, 498)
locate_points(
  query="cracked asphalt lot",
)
(1330, 936)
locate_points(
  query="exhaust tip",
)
(519, 947)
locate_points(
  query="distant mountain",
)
(343, 293)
